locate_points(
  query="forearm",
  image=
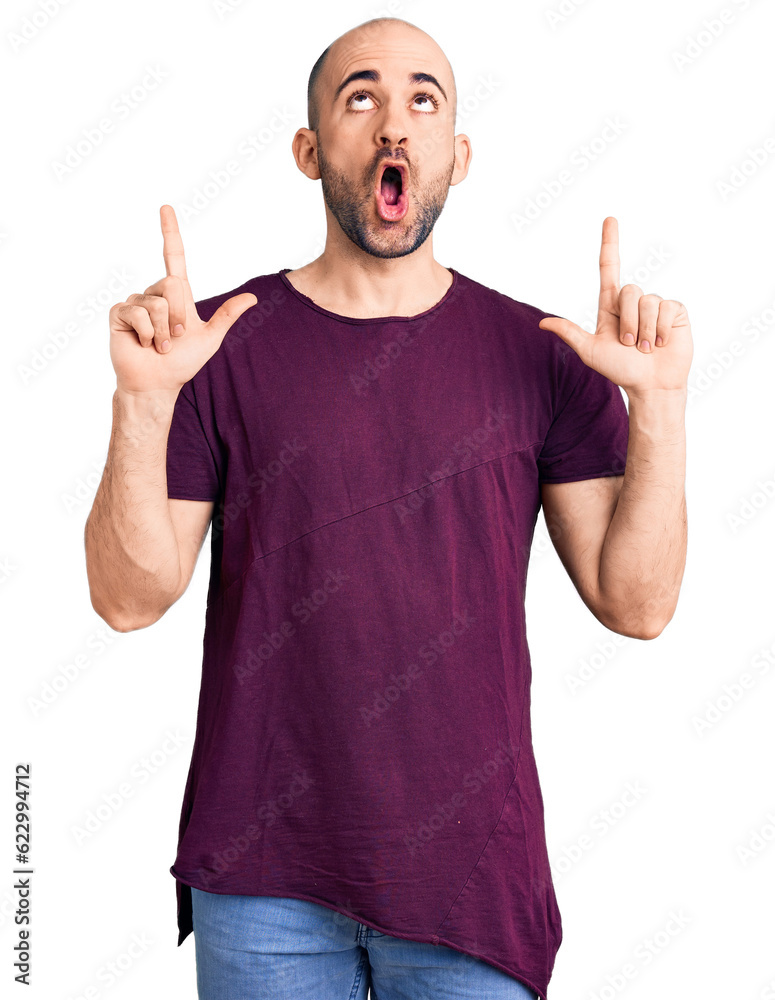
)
(132, 557)
(644, 552)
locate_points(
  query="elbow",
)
(116, 605)
(647, 631)
(118, 625)
(122, 620)
(633, 630)
(634, 627)
(127, 624)
(122, 623)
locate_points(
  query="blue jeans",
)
(276, 948)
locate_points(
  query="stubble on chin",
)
(359, 220)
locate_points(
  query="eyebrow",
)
(374, 75)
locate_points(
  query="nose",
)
(388, 141)
(390, 127)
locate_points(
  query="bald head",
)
(320, 88)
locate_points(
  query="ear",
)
(305, 152)
(463, 153)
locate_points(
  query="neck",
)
(351, 282)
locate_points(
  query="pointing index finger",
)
(174, 258)
(609, 262)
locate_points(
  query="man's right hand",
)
(157, 340)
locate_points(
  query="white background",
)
(704, 796)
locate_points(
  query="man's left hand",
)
(642, 342)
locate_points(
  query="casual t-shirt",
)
(363, 737)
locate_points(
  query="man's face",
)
(369, 122)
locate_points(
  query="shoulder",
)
(518, 320)
(524, 315)
(271, 293)
(269, 289)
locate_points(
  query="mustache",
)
(400, 156)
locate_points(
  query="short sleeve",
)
(192, 472)
(588, 435)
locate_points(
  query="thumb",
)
(228, 313)
(573, 335)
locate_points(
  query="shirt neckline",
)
(367, 320)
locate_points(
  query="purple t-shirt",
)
(363, 736)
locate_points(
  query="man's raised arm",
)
(137, 563)
(623, 540)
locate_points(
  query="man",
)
(372, 436)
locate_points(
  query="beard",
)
(353, 207)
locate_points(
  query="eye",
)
(430, 99)
(359, 93)
(358, 105)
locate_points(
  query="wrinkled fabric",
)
(363, 736)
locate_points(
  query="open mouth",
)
(392, 200)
